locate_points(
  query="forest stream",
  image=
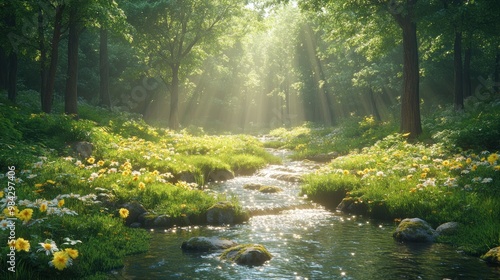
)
(306, 241)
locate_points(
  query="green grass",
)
(131, 161)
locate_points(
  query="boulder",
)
(220, 175)
(205, 244)
(492, 256)
(187, 177)
(262, 188)
(449, 228)
(247, 254)
(162, 221)
(414, 230)
(135, 209)
(253, 186)
(82, 149)
(270, 189)
(353, 205)
(221, 213)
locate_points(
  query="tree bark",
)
(104, 99)
(458, 101)
(71, 97)
(467, 72)
(4, 69)
(12, 82)
(410, 100)
(174, 98)
(54, 57)
(496, 79)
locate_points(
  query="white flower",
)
(49, 246)
(71, 242)
(4, 224)
(430, 182)
(380, 174)
(486, 180)
(38, 164)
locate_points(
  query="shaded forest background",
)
(247, 66)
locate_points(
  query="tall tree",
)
(175, 34)
(71, 96)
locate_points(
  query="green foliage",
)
(131, 161)
(397, 179)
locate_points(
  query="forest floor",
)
(68, 207)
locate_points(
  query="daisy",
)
(49, 246)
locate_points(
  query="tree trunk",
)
(458, 100)
(4, 69)
(375, 111)
(45, 102)
(410, 100)
(174, 98)
(71, 97)
(104, 99)
(54, 57)
(467, 72)
(12, 82)
(496, 78)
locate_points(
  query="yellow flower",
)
(142, 186)
(22, 245)
(496, 168)
(1, 194)
(474, 167)
(425, 158)
(426, 169)
(135, 178)
(60, 260)
(43, 207)
(493, 158)
(123, 213)
(126, 173)
(445, 163)
(25, 215)
(51, 182)
(423, 175)
(72, 253)
(38, 185)
(100, 163)
(60, 203)
(91, 160)
(468, 160)
(409, 176)
(11, 211)
(346, 172)
(156, 173)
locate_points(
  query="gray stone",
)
(220, 175)
(135, 209)
(162, 221)
(221, 213)
(205, 244)
(449, 228)
(414, 230)
(82, 149)
(247, 254)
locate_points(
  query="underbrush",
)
(395, 179)
(69, 208)
(310, 139)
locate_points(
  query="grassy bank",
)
(451, 174)
(74, 203)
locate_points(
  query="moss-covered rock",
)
(414, 230)
(270, 189)
(223, 212)
(253, 186)
(262, 188)
(353, 205)
(247, 254)
(492, 256)
(205, 244)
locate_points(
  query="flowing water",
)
(306, 241)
